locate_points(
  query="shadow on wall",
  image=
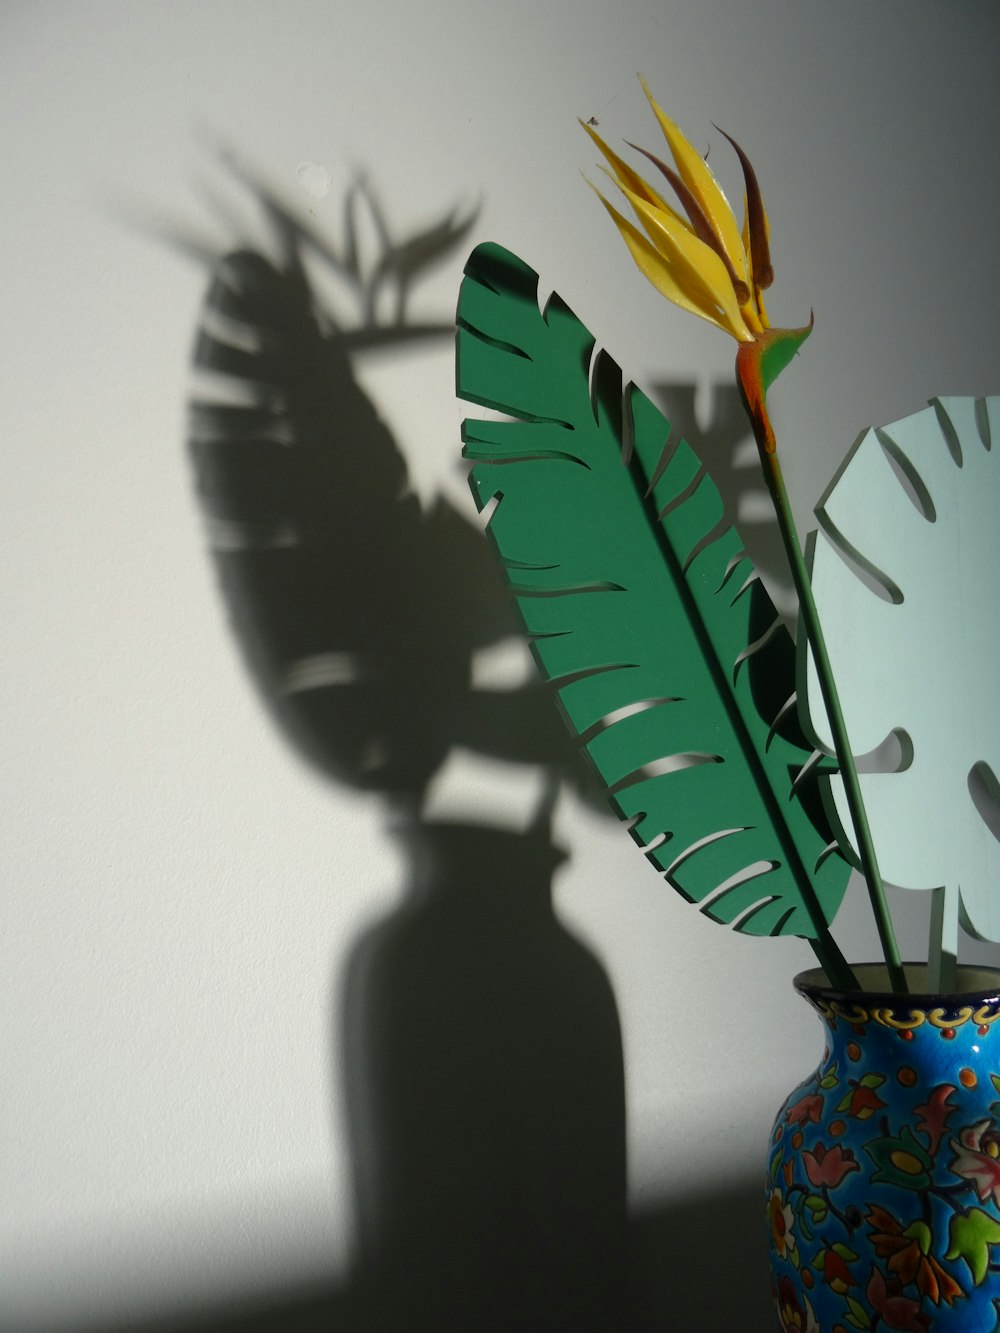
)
(484, 1073)
(697, 1265)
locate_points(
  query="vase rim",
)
(973, 983)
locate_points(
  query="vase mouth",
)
(972, 984)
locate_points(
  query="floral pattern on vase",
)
(883, 1180)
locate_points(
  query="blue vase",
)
(883, 1180)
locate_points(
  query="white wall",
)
(181, 893)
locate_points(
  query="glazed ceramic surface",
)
(883, 1180)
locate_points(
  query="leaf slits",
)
(673, 686)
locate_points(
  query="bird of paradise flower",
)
(703, 262)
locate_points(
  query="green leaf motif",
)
(671, 665)
(845, 1252)
(970, 1235)
(922, 1234)
(859, 1316)
(901, 1160)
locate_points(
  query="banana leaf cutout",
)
(672, 667)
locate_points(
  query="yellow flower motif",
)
(702, 262)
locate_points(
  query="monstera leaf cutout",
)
(671, 665)
(905, 577)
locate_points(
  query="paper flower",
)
(703, 262)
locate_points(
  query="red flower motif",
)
(809, 1107)
(978, 1158)
(864, 1103)
(836, 1274)
(934, 1115)
(899, 1312)
(829, 1166)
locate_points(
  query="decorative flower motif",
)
(909, 1256)
(832, 1261)
(796, 1315)
(934, 1115)
(809, 1107)
(901, 1160)
(862, 1101)
(977, 1158)
(898, 1311)
(781, 1217)
(829, 1166)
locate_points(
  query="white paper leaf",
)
(905, 574)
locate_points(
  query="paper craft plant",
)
(904, 569)
(672, 668)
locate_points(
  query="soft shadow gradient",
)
(481, 1043)
(484, 1070)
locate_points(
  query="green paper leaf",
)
(903, 573)
(670, 663)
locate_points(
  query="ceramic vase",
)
(883, 1175)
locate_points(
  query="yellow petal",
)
(698, 268)
(698, 177)
(626, 175)
(665, 276)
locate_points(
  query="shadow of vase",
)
(487, 1109)
(482, 1051)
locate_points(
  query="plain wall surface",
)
(182, 895)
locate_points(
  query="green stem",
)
(845, 757)
(832, 961)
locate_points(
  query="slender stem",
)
(832, 961)
(942, 951)
(845, 757)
